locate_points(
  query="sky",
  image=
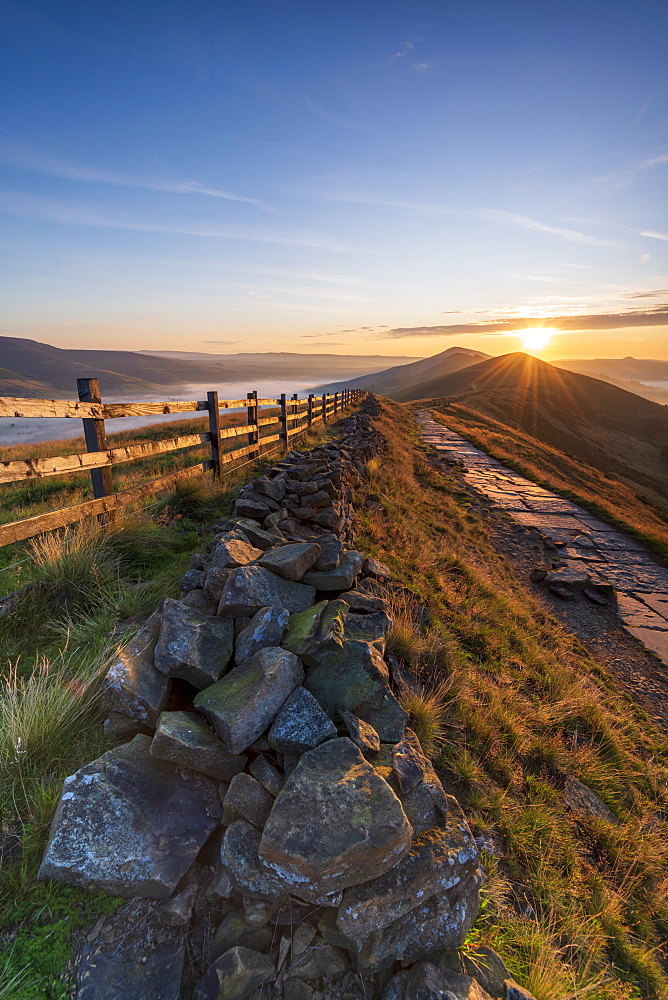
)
(355, 177)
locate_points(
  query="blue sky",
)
(353, 177)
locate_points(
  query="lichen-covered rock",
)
(239, 854)
(513, 991)
(130, 824)
(342, 576)
(249, 799)
(376, 570)
(120, 728)
(300, 725)
(184, 738)
(291, 561)
(336, 823)
(355, 679)
(195, 647)
(215, 578)
(316, 632)
(266, 628)
(245, 702)
(273, 488)
(234, 930)
(250, 588)
(373, 627)
(235, 975)
(132, 686)
(428, 901)
(360, 600)
(253, 532)
(488, 968)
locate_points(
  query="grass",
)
(574, 906)
(86, 591)
(603, 495)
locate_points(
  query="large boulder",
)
(130, 824)
(336, 823)
(195, 647)
(184, 738)
(266, 628)
(245, 702)
(427, 902)
(132, 686)
(250, 588)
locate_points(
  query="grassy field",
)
(576, 906)
(89, 590)
(604, 495)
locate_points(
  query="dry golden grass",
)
(586, 911)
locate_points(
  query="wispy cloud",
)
(526, 222)
(82, 214)
(654, 235)
(656, 316)
(654, 293)
(652, 162)
(26, 159)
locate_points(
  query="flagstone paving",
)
(593, 555)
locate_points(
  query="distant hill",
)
(627, 369)
(404, 381)
(35, 369)
(620, 433)
(280, 362)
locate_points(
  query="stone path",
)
(594, 555)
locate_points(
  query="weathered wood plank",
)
(268, 402)
(112, 411)
(16, 407)
(236, 430)
(37, 468)
(270, 438)
(18, 531)
(268, 421)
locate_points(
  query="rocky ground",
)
(269, 816)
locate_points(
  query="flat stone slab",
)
(129, 824)
(340, 578)
(336, 823)
(291, 561)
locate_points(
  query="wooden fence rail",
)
(294, 416)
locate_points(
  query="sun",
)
(537, 338)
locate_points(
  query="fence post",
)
(310, 410)
(254, 435)
(214, 431)
(95, 434)
(284, 421)
(336, 403)
(294, 410)
(324, 407)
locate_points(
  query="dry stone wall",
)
(270, 817)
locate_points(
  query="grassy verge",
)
(576, 906)
(87, 585)
(604, 496)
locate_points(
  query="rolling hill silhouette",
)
(409, 378)
(617, 431)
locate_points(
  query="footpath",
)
(594, 559)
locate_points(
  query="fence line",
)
(294, 417)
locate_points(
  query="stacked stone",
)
(270, 788)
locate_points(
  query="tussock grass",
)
(576, 907)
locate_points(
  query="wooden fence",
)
(295, 416)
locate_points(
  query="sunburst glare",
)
(537, 338)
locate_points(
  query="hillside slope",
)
(618, 432)
(406, 379)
